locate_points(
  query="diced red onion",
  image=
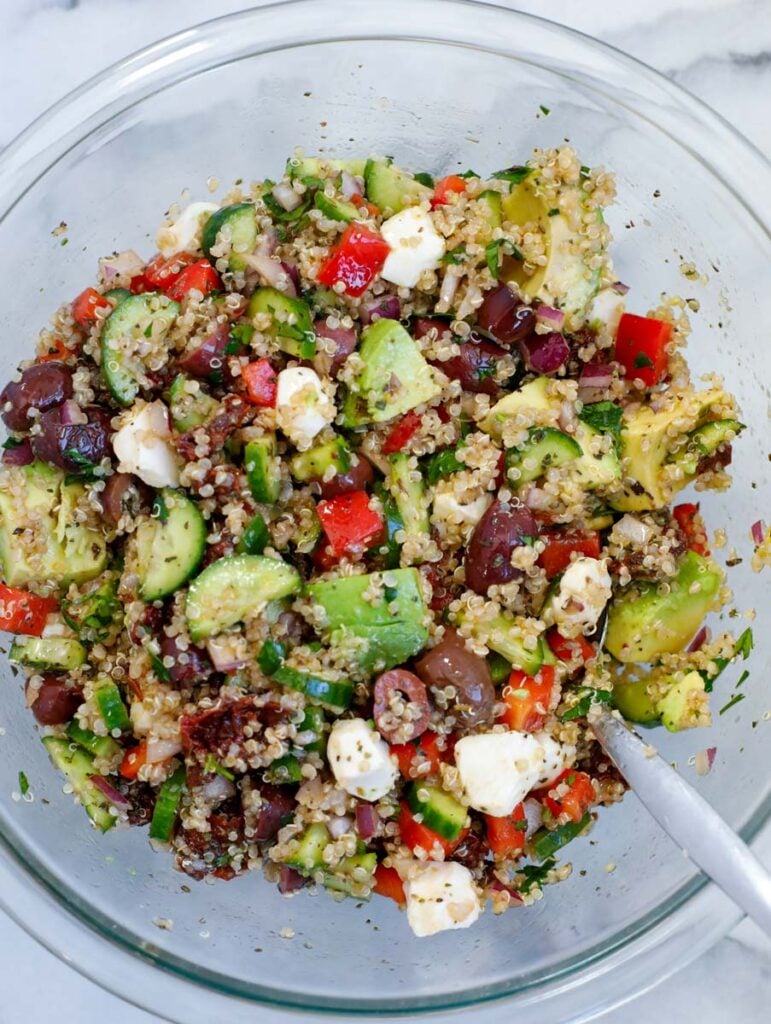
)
(544, 353)
(19, 455)
(72, 413)
(267, 243)
(698, 640)
(123, 265)
(294, 277)
(535, 498)
(758, 531)
(595, 375)
(620, 288)
(272, 272)
(497, 886)
(711, 751)
(345, 339)
(224, 653)
(367, 821)
(350, 186)
(338, 826)
(218, 788)
(116, 799)
(286, 197)
(290, 880)
(533, 815)
(162, 750)
(209, 356)
(704, 759)
(550, 317)
(385, 307)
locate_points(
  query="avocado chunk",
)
(393, 625)
(40, 539)
(566, 281)
(532, 396)
(632, 699)
(643, 624)
(650, 439)
(686, 704)
(394, 379)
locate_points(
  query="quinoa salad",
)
(323, 531)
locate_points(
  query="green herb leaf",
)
(278, 212)
(160, 669)
(554, 211)
(604, 417)
(544, 110)
(240, 337)
(12, 442)
(311, 181)
(493, 254)
(212, 767)
(455, 256)
(468, 174)
(23, 784)
(585, 172)
(589, 696)
(425, 179)
(743, 678)
(745, 644)
(441, 464)
(536, 874)
(734, 700)
(514, 175)
(80, 460)
(641, 360)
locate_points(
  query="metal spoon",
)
(687, 817)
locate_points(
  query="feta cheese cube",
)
(498, 769)
(584, 590)
(440, 897)
(302, 406)
(143, 446)
(416, 246)
(360, 760)
(184, 235)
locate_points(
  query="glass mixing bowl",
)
(440, 85)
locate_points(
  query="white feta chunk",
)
(416, 246)
(440, 897)
(448, 509)
(184, 234)
(303, 408)
(584, 590)
(143, 446)
(498, 769)
(360, 759)
(605, 311)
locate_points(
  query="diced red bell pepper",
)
(261, 383)
(355, 260)
(366, 205)
(506, 836)
(57, 351)
(84, 307)
(388, 883)
(690, 522)
(524, 696)
(324, 557)
(199, 276)
(576, 801)
(349, 523)
(444, 188)
(411, 756)
(560, 545)
(23, 612)
(576, 649)
(133, 760)
(641, 347)
(161, 272)
(415, 834)
(404, 430)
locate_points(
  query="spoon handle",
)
(688, 819)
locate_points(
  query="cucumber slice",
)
(391, 188)
(500, 669)
(705, 441)
(263, 468)
(347, 876)
(313, 464)
(441, 812)
(235, 588)
(502, 635)
(409, 494)
(111, 707)
(99, 746)
(291, 327)
(545, 447)
(169, 545)
(308, 857)
(335, 694)
(254, 538)
(77, 766)
(240, 224)
(166, 807)
(117, 295)
(310, 166)
(545, 842)
(336, 209)
(284, 771)
(132, 322)
(55, 653)
(314, 723)
(189, 409)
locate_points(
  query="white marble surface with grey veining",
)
(721, 51)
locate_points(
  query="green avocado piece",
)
(686, 704)
(395, 377)
(393, 625)
(632, 700)
(643, 624)
(533, 396)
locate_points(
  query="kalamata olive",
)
(73, 446)
(344, 338)
(451, 663)
(124, 494)
(277, 807)
(19, 454)
(357, 477)
(56, 702)
(401, 706)
(475, 365)
(150, 624)
(501, 529)
(423, 325)
(384, 307)
(190, 666)
(42, 386)
(208, 358)
(505, 317)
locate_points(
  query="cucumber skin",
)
(71, 653)
(243, 225)
(433, 818)
(167, 806)
(184, 518)
(128, 315)
(76, 765)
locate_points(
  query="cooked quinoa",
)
(323, 530)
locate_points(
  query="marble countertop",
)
(718, 49)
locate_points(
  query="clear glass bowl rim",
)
(656, 945)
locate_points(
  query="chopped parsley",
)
(425, 179)
(536, 874)
(554, 211)
(469, 174)
(441, 464)
(240, 335)
(493, 254)
(734, 700)
(278, 212)
(455, 256)
(585, 172)
(745, 644)
(160, 669)
(514, 175)
(641, 360)
(213, 767)
(544, 110)
(604, 417)
(12, 442)
(588, 697)
(743, 678)
(23, 784)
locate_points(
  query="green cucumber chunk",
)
(55, 653)
(170, 544)
(166, 807)
(308, 856)
(235, 588)
(238, 223)
(500, 669)
(352, 874)
(311, 166)
(291, 325)
(409, 494)
(263, 469)
(336, 209)
(391, 188)
(255, 537)
(111, 707)
(544, 447)
(314, 724)
(117, 295)
(502, 635)
(189, 409)
(313, 464)
(631, 698)
(441, 812)
(134, 320)
(705, 441)
(284, 771)
(99, 746)
(335, 694)
(78, 766)
(546, 842)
